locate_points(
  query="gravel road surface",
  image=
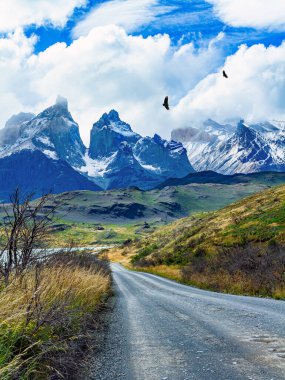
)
(162, 330)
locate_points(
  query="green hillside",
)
(239, 248)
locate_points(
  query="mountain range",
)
(45, 152)
(229, 149)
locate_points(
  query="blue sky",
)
(192, 20)
(128, 54)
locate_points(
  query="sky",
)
(129, 54)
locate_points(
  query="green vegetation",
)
(238, 249)
(89, 234)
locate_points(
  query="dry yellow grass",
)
(170, 272)
(37, 307)
(124, 255)
(73, 286)
(121, 255)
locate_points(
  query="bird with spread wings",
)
(166, 103)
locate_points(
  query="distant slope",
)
(269, 178)
(238, 249)
(165, 205)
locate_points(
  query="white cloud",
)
(110, 69)
(269, 14)
(19, 13)
(105, 69)
(15, 78)
(255, 90)
(129, 14)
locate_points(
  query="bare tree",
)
(26, 227)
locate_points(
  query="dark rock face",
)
(169, 157)
(253, 145)
(120, 210)
(125, 171)
(33, 172)
(108, 133)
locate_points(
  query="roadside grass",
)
(120, 255)
(170, 272)
(239, 249)
(45, 314)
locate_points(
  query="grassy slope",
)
(198, 245)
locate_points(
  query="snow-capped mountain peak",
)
(149, 157)
(58, 110)
(54, 132)
(250, 148)
(61, 102)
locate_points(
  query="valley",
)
(114, 216)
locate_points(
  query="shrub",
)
(143, 253)
(247, 269)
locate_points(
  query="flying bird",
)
(225, 75)
(166, 103)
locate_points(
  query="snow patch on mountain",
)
(95, 167)
(51, 154)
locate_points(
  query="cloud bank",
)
(254, 91)
(105, 67)
(129, 14)
(259, 14)
(19, 13)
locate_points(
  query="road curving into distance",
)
(163, 330)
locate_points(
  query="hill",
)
(33, 172)
(238, 249)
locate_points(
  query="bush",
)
(142, 254)
(247, 269)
